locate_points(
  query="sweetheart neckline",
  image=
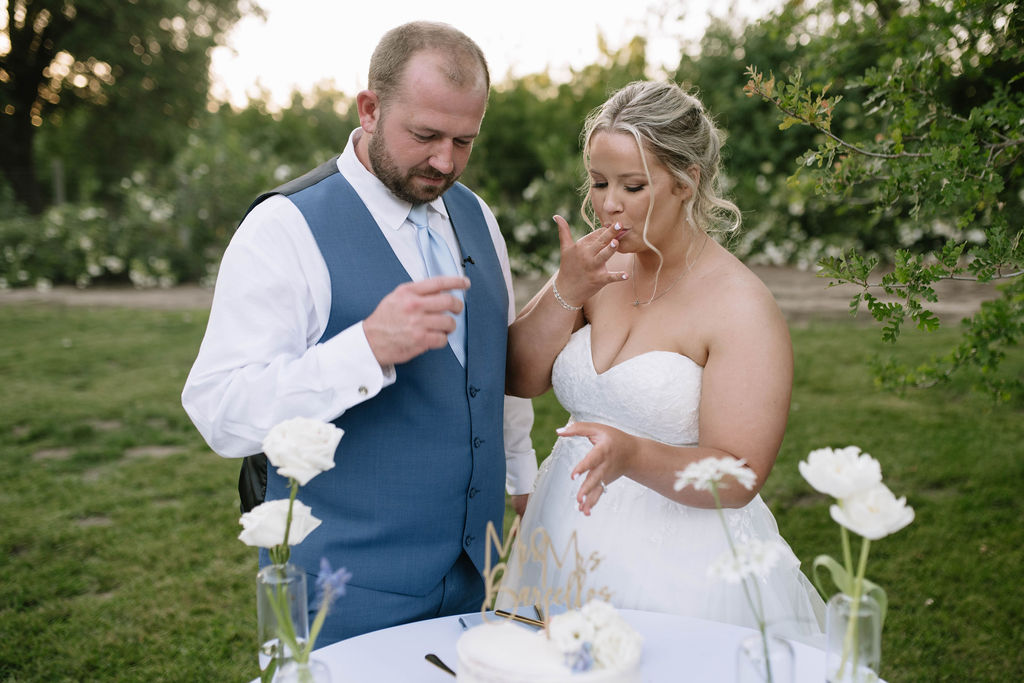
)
(593, 366)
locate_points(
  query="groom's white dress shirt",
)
(260, 363)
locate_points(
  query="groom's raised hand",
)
(413, 319)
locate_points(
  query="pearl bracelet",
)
(562, 302)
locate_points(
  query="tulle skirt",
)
(643, 551)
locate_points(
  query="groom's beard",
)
(401, 183)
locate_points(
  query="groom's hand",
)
(519, 502)
(413, 318)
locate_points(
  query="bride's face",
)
(622, 192)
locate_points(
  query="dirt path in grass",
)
(801, 294)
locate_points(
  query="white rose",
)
(600, 614)
(263, 526)
(840, 473)
(617, 646)
(302, 448)
(874, 513)
(569, 631)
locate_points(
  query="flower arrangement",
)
(300, 448)
(741, 563)
(865, 506)
(594, 637)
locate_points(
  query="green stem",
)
(850, 650)
(318, 622)
(280, 554)
(847, 554)
(282, 615)
(755, 608)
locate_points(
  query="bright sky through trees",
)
(305, 42)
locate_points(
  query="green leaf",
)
(788, 122)
(840, 577)
(846, 583)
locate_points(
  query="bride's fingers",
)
(578, 429)
(565, 239)
(589, 493)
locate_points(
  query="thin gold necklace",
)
(655, 296)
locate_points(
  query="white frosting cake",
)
(592, 645)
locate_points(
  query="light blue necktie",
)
(437, 257)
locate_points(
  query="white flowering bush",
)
(81, 245)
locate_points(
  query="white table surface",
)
(675, 649)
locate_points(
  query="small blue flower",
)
(331, 584)
(582, 659)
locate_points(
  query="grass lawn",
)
(119, 555)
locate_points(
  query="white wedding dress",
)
(654, 552)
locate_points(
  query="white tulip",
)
(842, 472)
(874, 513)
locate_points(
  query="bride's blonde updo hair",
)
(672, 125)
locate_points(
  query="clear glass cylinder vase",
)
(853, 630)
(764, 658)
(313, 671)
(282, 614)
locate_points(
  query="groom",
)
(326, 307)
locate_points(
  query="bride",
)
(666, 350)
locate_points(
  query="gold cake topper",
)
(540, 549)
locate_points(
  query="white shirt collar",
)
(387, 209)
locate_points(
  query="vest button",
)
(469, 539)
(473, 492)
(477, 441)
(473, 391)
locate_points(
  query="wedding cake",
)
(591, 645)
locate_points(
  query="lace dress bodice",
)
(655, 395)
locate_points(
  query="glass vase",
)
(853, 630)
(282, 615)
(313, 671)
(764, 658)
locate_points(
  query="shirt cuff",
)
(520, 472)
(348, 358)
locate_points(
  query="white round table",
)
(675, 649)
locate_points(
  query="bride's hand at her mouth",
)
(584, 262)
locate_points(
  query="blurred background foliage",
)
(119, 167)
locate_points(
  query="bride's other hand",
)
(607, 460)
(583, 268)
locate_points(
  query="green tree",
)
(784, 222)
(939, 153)
(122, 76)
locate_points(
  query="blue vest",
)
(420, 470)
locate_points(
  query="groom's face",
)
(423, 135)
